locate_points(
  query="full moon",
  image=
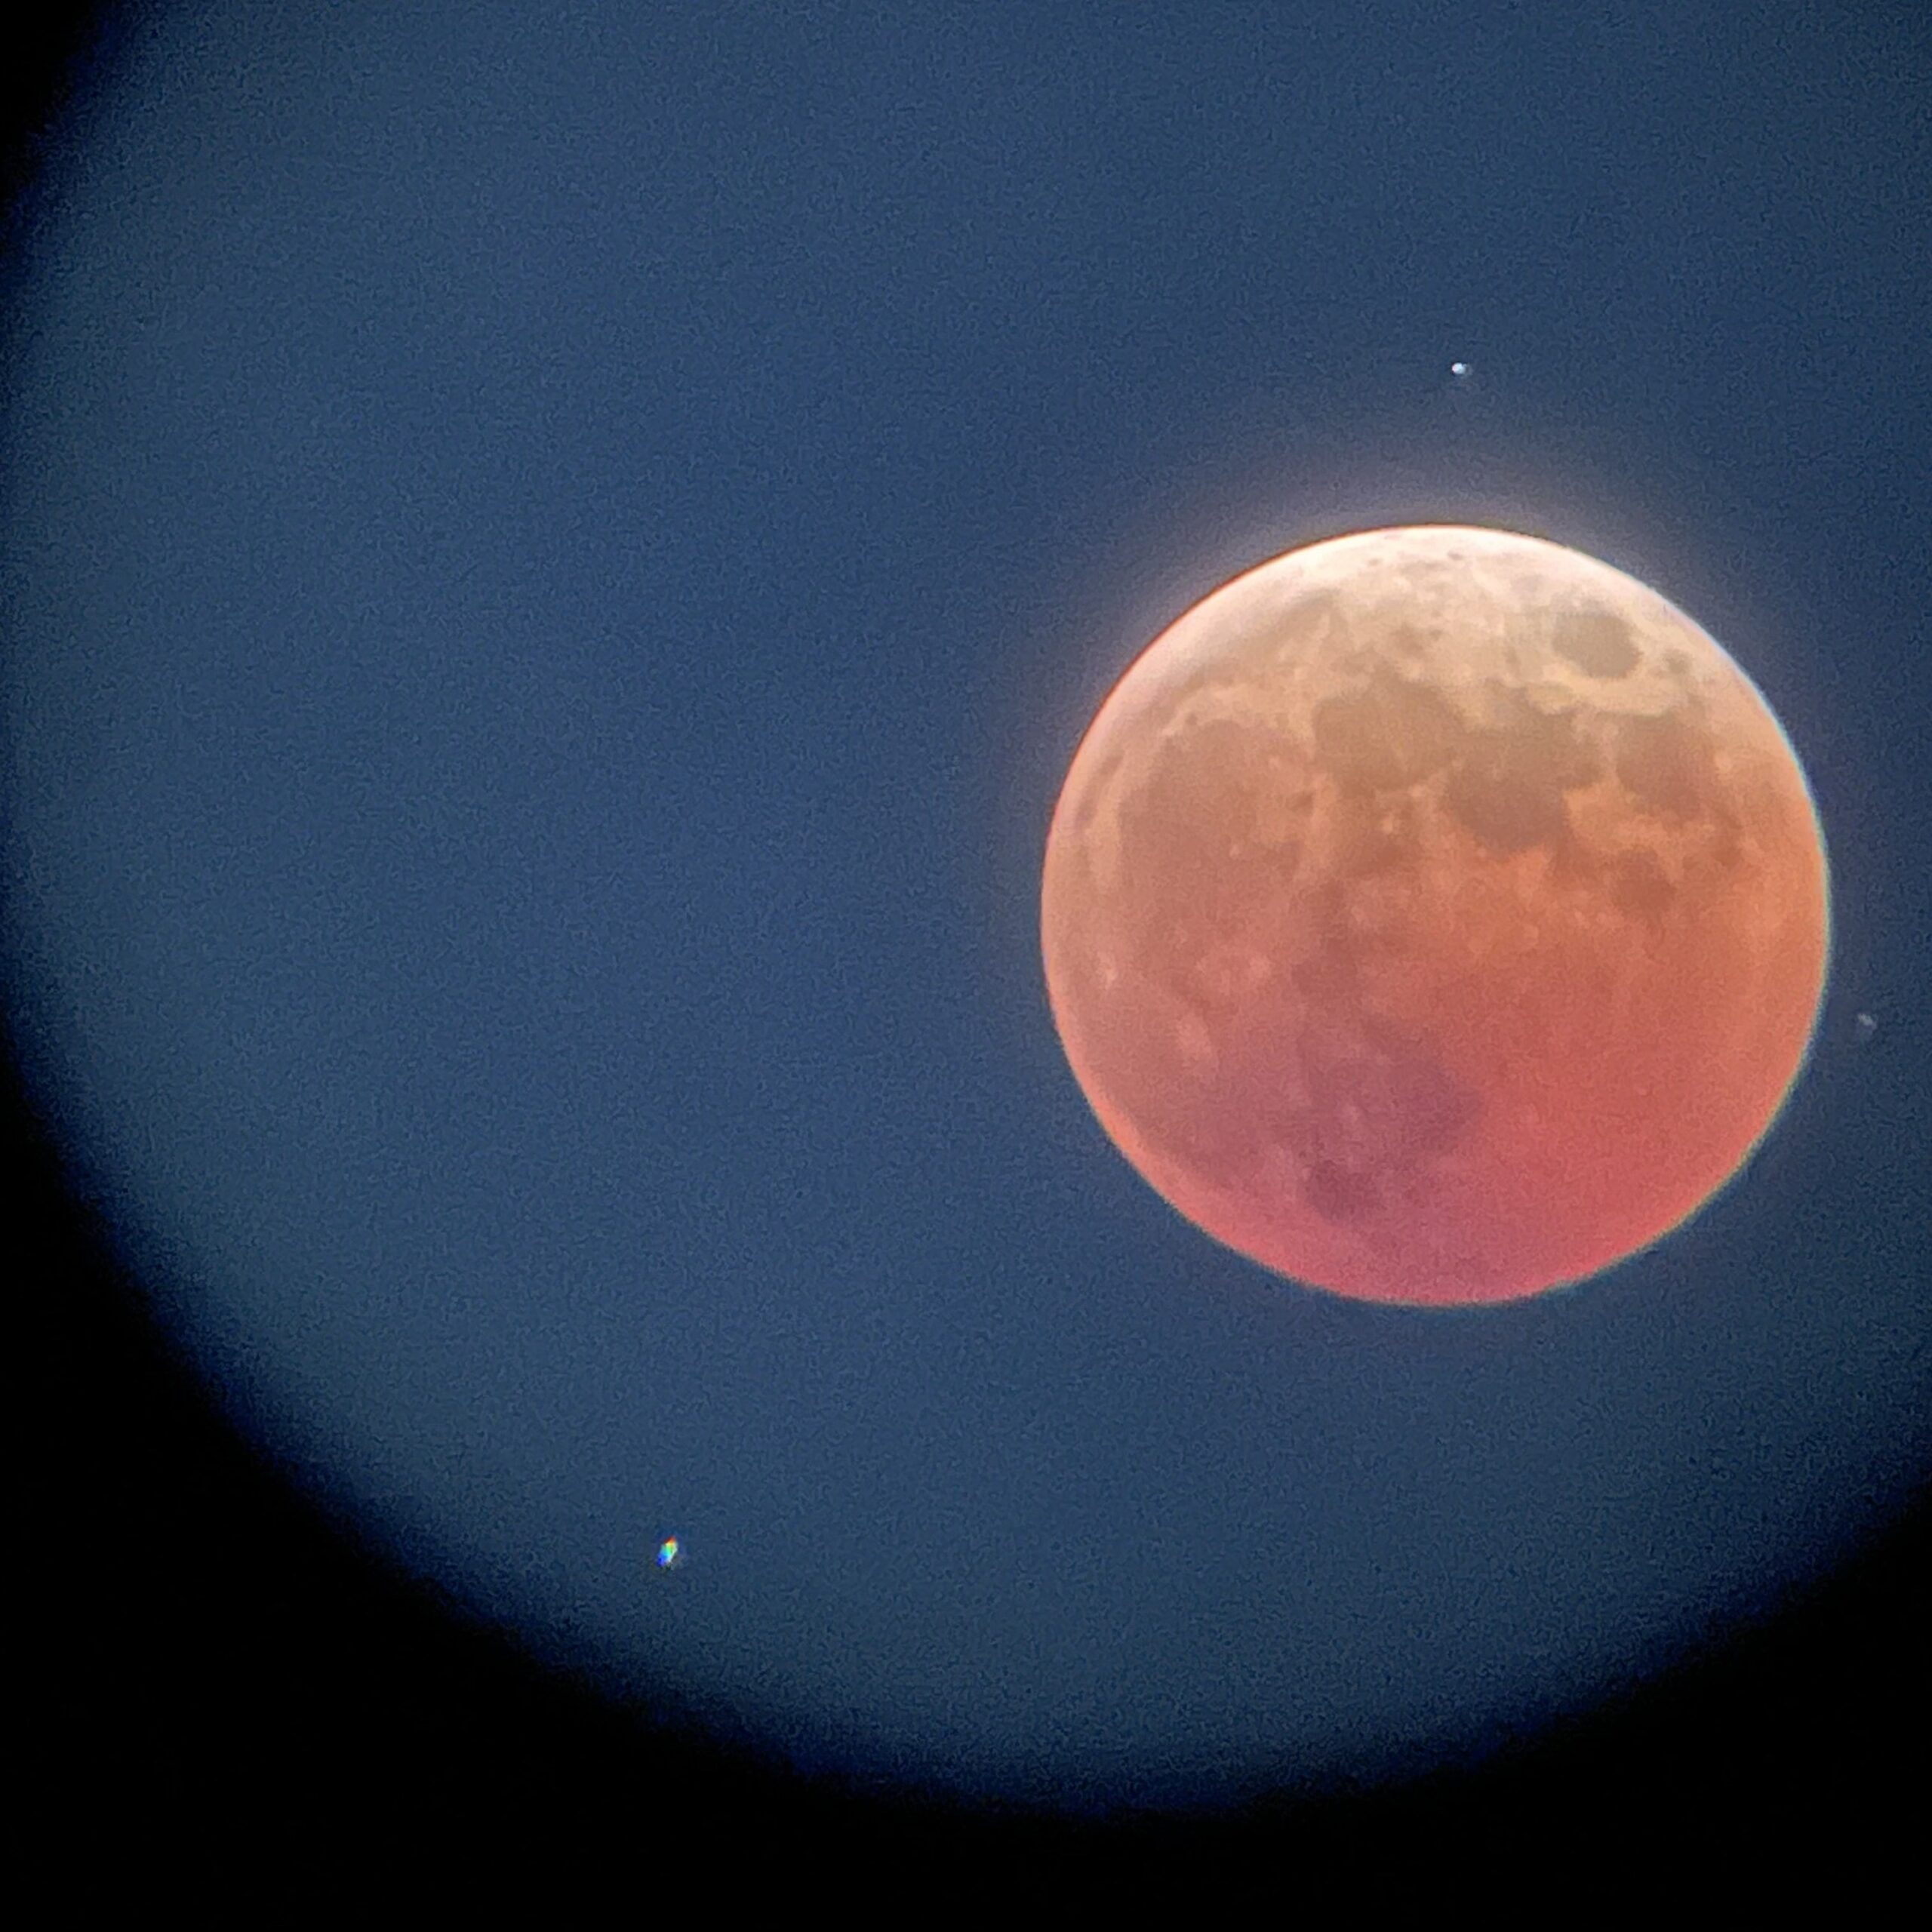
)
(1434, 915)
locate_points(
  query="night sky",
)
(552, 561)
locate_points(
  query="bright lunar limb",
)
(1435, 914)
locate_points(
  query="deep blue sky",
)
(553, 561)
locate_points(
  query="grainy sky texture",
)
(553, 560)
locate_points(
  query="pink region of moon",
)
(1434, 915)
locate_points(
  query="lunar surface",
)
(1434, 915)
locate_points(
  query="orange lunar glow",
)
(1434, 915)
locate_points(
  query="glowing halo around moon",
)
(1434, 915)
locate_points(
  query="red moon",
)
(1434, 915)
